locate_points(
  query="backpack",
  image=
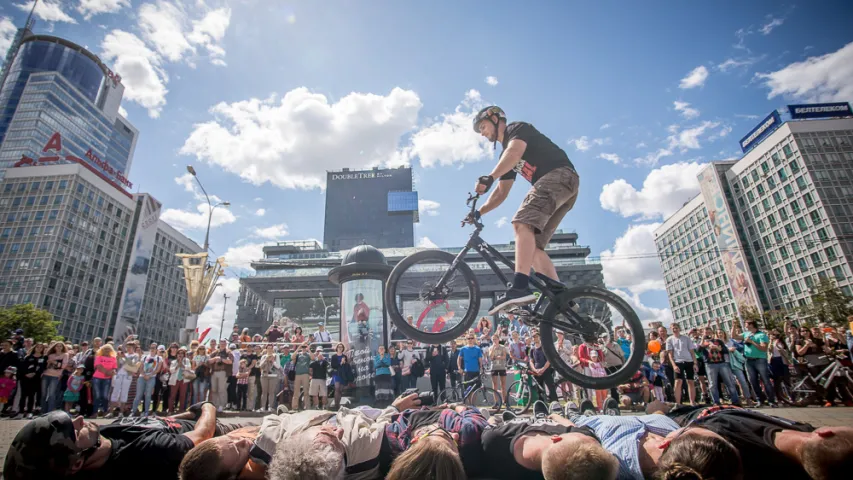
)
(417, 368)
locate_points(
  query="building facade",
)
(374, 207)
(66, 236)
(293, 280)
(53, 85)
(789, 201)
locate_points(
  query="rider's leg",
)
(542, 263)
(525, 248)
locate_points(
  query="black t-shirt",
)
(32, 364)
(753, 434)
(540, 157)
(144, 448)
(256, 370)
(499, 443)
(319, 369)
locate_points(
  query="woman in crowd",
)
(484, 327)
(396, 371)
(270, 373)
(245, 338)
(128, 365)
(517, 349)
(738, 364)
(565, 350)
(297, 336)
(338, 362)
(178, 370)
(30, 378)
(813, 350)
(106, 366)
(437, 364)
(780, 363)
(384, 378)
(162, 369)
(200, 366)
(57, 359)
(498, 356)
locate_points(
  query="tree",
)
(829, 304)
(35, 322)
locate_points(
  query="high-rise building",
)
(375, 207)
(95, 256)
(768, 227)
(54, 85)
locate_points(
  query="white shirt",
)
(235, 367)
(322, 336)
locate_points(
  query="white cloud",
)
(664, 191)
(122, 111)
(824, 78)
(610, 157)
(492, 80)
(186, 220)
(240, 257)
(162, 25)
(686, 110)
(731, 63)
(502, 222)
(747, 117)
(292, 142)
(773, 23)
(652, 158)
(260, 212)
(212, 314)
(605, 126)
(90, 8)
(741, 35)
(689, 138)
(584, 143)
(259, 199)
(723, 132)
(449, 138)
(629, 265)
(272, 232)
(641, 145)
(48, 10)
(428, 207)
(209, 32)
(425, 242)
(187, 181)
(142, 73)
(7, 33)
(696, 78)
(647, 314)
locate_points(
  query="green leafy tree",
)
(829, 304)
(35, 322)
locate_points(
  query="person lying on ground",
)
(58, 445)
(300, 445)
(545, 448)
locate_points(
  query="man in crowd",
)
(321, 335)
(470, 359)
(56, 446)
(274, 333)
(755, 344)
(221, 362)
(635, 392)
(232, 373)
(680, 352)
(407, 358)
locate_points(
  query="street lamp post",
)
(210, 206)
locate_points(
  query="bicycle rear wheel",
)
(484, 397)
(518, 397)
(448, 395)
(443, 298)
(600, 311)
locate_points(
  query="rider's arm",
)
(204, 426)
(509, 158)
(497, 197)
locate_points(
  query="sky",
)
(263, 97)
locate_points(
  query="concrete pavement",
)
(816, 416)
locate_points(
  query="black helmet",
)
(487, 113)
(45, 448)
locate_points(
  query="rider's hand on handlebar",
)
(483, 184)
(472, 217)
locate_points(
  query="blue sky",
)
(263, 96)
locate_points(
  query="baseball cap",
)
(318, 349)
(161, 348)
(232, 346)
(44, 448)
(11, 369)
(19, 331)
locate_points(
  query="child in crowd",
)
(657, 377)
(72, 391)
(7, 385)
(596, 369)
(243, 385)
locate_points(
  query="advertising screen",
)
(820, 110)
(362, 328)
(761, 131)
(734, 263)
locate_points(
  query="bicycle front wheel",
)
(441, 297)
(600, 311)
(518, 397)
(485, 397)
(448, 395)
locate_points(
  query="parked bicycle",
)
(811, 390)
(523, 392)
(473, 392)
(442, 292)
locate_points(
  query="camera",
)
(427, 399)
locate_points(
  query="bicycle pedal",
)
(520, 311)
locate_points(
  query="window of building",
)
(772, 256)
(771, 183)
(777, 198)
(760, 189)
(795, 206)
(787, 150)
(782, 175)
(830, 253)
(750, 196)
(771, 219)
(801, 222)
(838, 272)
(821, 234)
(789, 230)
(815, 216)
(755, 175)
(809, 281)
(795, 167)
(777, 273)
(801, 183)
(783, 252)
(804, 265)
(767, 277)
(816, 259)
(761, 226)
(808, 199)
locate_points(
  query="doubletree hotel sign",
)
(54, 153)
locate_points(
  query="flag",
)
(203, 334)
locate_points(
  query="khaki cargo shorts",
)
(547, 202)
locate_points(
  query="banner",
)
(362, 327)
(820, 110)
(140, 263)
(725, 233)
(760, 132)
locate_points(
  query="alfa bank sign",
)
(53, 154)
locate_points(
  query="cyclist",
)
(553, 193)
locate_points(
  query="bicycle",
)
(581, 313)
(810, 390)
(519, 396)
(480, 397)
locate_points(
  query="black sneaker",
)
(513, 297)
(587, 408)
(508, 416)
(611, 407)
(540, 410)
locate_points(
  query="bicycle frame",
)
(831, 371)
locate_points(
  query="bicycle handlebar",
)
(472, 201)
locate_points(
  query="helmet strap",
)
(497, 125)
